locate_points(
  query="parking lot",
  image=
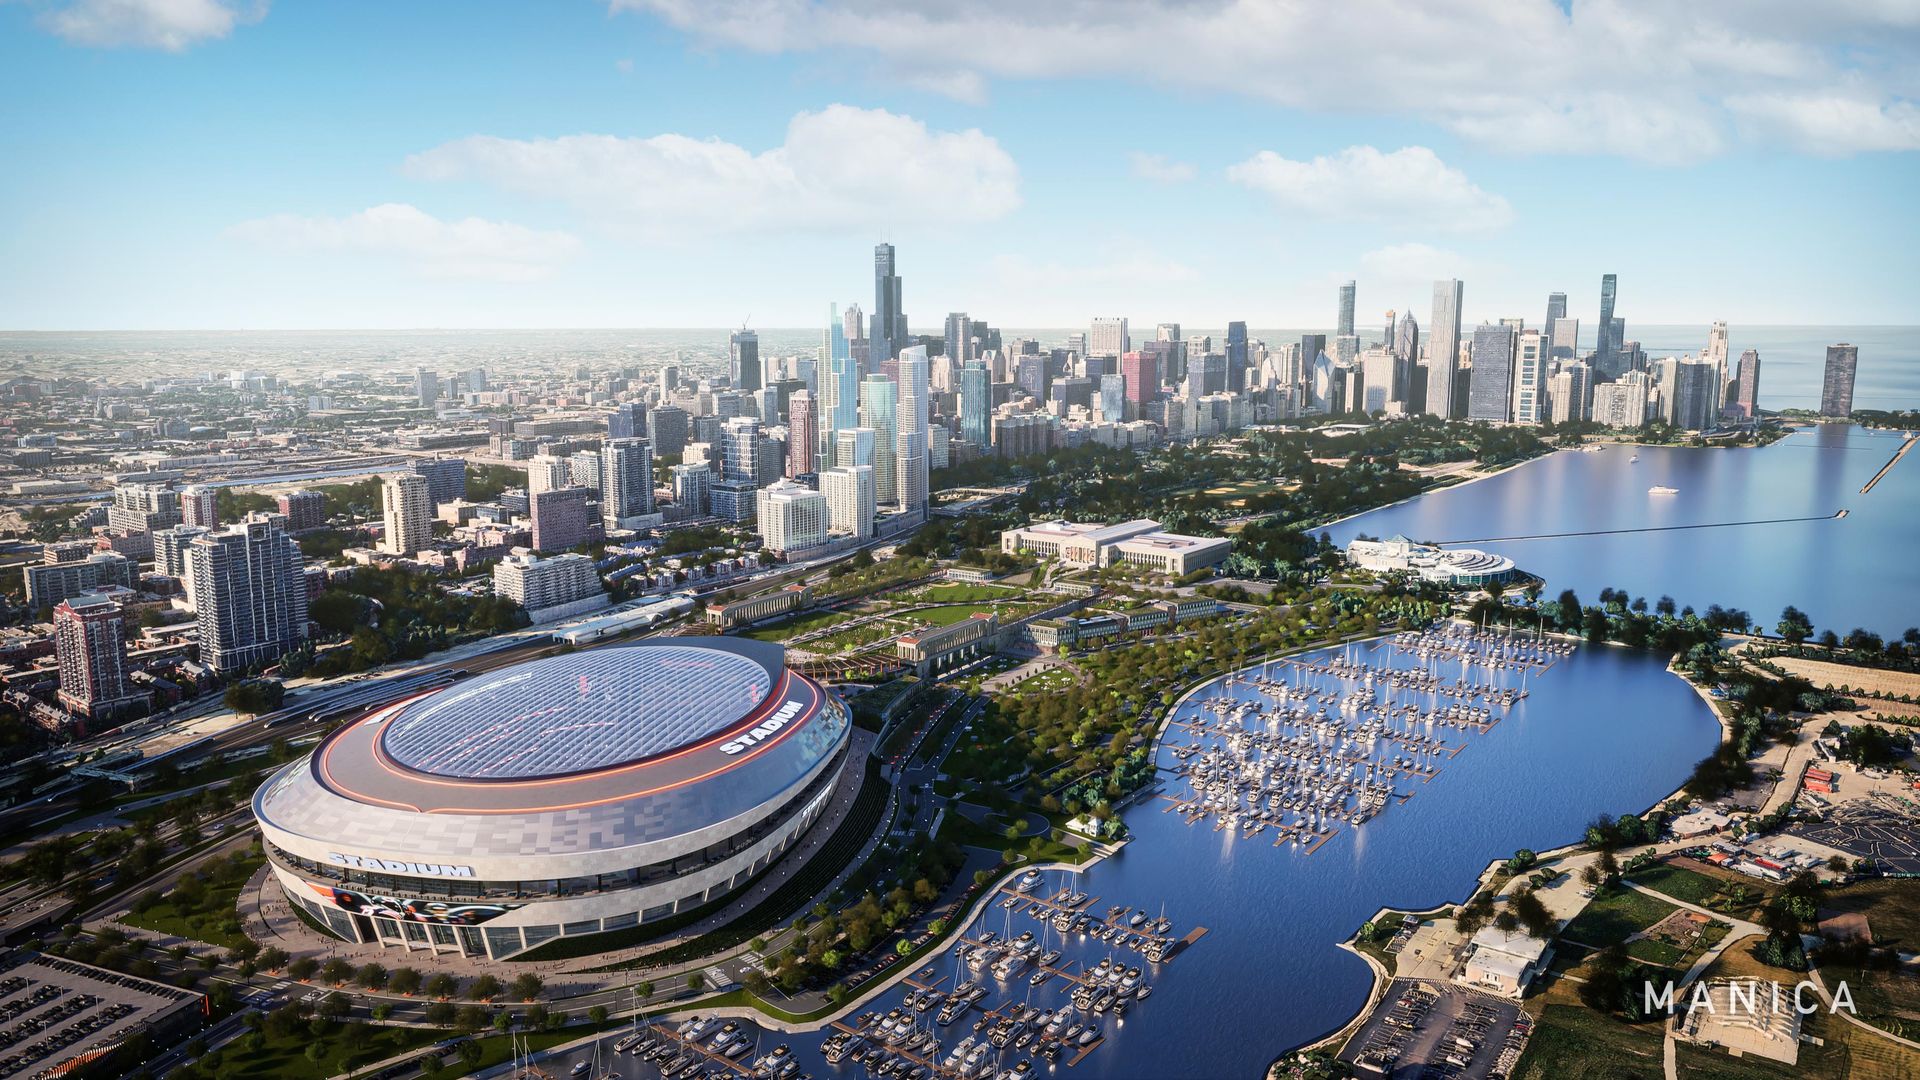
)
(53, 1011)
(1432, 1031)
(1877, 828)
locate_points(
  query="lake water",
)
(1603, 730)
(1858, 570)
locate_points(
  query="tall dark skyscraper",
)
(1345, 327)
(888, 332)
(1836, 389)
(745, 347)
(1556, 310)
(1608, 345)
(627, 421)
(1236, 356)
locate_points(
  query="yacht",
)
(1028, 880)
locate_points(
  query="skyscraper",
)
(546, 472)
(199, 506)
(406, 503)
(89, 641)
(628, 420)
(690, 484)
(250, 594)
(666, 429)
(1716, 354)
(446, 478)
(426, 385)
(839, 385)
(1490, 392)
(803, 438)
(1236, 361)
(559, 518)
(1556, 310)
(1141, 371)
(911, 437)
(1443, 347)
(1836, 387)
(976, 404)
(1533, 361)
(1113, 397)
(889, 331)
(959, 340)
(626, 481)
(877, 412)
(1345, 325)
(1608, 345)
(739, 442)
(744, 360)
(791, 516)
(1108, 337)
(1746, 397)
(1566, 338)
(854, 446)
(850, 501)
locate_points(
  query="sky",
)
(240, 164)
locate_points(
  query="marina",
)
(1304, 748)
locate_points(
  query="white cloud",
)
(1404, 264)
(838, 168)
(1642, 78)
(1410, 187)
(468, 248)
(172, 25)
(1159, 168)
(1832, 123)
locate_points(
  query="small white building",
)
(1504, 962)
(1701, 822)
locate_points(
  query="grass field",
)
(205, 914)
(1616, 916)
(1891, 905)
(1733, 894)
(961, 593)
(1574, 1043)
(286, 1059)
(953, 613)
(799, 624)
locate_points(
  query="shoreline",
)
(1478, 477)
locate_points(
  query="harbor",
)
(1301, 748)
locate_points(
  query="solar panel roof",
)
(576, 713)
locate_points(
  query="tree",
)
(526, 987)
(484, 988)
(1794, 625)
(336, 970)
(597, 1014)
(440, 1014)
(303, 968)
(372, 976)
(442, 985)
(404, 981)
(644, 988)
(334, 1007)
(697, 982)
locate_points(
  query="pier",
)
(1891, 462)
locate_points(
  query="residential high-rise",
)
(1532, 361)
(49, 583)
(739, 446)
(626, 478)
(1836, 387)
(666, 429)
(559, 518)
(89, 641)
(1746, 396)
(1113, 397)
(959, 340)
(976, 404)
(888, 334)
(1378, 368)
(1716, 354)
(791, 517)
(1345, 325)
(690, 483)
(589, 471)
(1689, 396)
(854, 446)
(1570, 393)
(1556, 310)
(1443, 347)
(406, 504)
(1624, 402)
(303, 510)
(628, 420)
(250, 594)
(426, 386)
(803, 438)
(142, 507)
(446, 478)
(839, 384)
(1490, 393)
(551, 588)
(877, 412)
(850, 499)
(1603, 353)
(199, 506)
(545, 472)
(912, 417)
(743, 369)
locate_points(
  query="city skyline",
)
(1014, 194)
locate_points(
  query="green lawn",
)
(286, 1059)
(1726, 894)
(1615, 916)
(1572, 1043)
(204, 913)
(960, 593)
(799, 624)
(953, 613)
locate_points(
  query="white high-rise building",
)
(792, 516)
(406, 502)
(1530, 378)
(1108, 338)
(1443, 347)
(850, 503)
(854, 446)
(1569, 393)
(910, 456)
(1624, 402)
(545, 472)
(626, 477)
(1716, 354)
(1376, 379)
(555, 587)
